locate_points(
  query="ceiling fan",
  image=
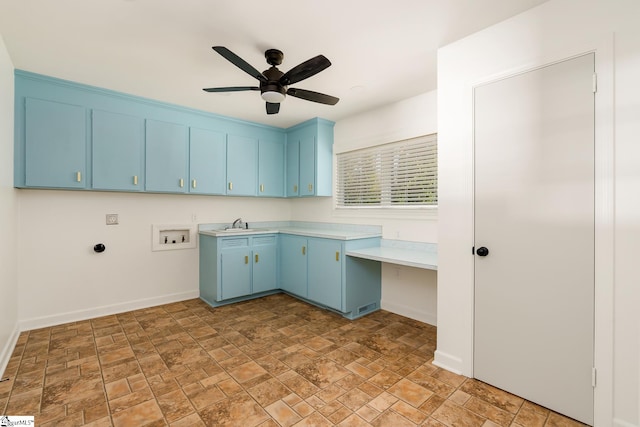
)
(274, 83)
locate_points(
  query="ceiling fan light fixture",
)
(273, 97)
(274, 84)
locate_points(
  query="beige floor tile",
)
(282, 413)
(410, 392)
(270, 362)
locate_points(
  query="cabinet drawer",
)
(236, 242)
(264, 240)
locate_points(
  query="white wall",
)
(552, 31)
(63, 279)
(407, 291)
(8, 215)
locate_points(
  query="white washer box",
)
(170, 237)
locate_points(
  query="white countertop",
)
(237, 232)
(329, 233)
(401, 256)
(309, 232)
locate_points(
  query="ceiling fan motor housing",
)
(274, 56)
(272, 84)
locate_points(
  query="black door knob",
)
(99, 247)
(482, 251)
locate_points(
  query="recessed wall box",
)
(170, 237)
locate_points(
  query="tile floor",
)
(274, 361)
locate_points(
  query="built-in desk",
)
(412, 254)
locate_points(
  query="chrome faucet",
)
(237, 223)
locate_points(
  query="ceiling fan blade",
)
(305, 70)
(239, 62)
(230, 89)
(272, 108)
(313, 96)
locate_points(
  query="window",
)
(398, 174)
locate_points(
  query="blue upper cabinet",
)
(242, 165)
(310, 158)
(270, 168)
(293, 168)
(308, 165)
(74, 136)
(166, 157)
(207, 161)
(55, 144)
(117, 151)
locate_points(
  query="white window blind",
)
(399, 174)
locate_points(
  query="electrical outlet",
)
(112, 219)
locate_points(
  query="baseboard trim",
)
(448, 362)
(106, 310)
(409, 312)
(617, 422)
(7, 350)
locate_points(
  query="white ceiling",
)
(381, 51)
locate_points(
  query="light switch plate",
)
(112, 219)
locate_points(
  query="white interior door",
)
(534, 213)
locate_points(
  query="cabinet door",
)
(118, 143)
(270, 168)
(293, 168)
(264, 264)
(307, 165)
(242, 165)
(293, 264)
(207, 161)
(56, 144)
(325, 272)
(235, 272)
(166, 157)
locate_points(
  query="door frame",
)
(603, 50)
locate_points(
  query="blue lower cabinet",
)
(293, 264)
(314, 269)
(325, 272)
(235, 272)
(317, 270)
(237, 268)
(265, 263)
